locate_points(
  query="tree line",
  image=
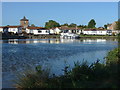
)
(53, 24)
(91, 24)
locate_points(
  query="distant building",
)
(11, 29)
(101, 28)
(23, 28)
(97, 32)
(24, 22)
(37, 30)
(112, 26)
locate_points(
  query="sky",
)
(62, 12)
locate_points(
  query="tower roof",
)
(24, 19)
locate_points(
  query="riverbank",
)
(98, 36)
(54, 37)
(95, 75)
(8, 36)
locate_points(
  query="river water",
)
(19, 54)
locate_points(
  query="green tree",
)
(51, 24)
(105, 26)
(65, 24)
(72, 25)
(32, 25)
(82, 26)
(91, 23)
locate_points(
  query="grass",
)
(95, 75)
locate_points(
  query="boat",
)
(69, 36)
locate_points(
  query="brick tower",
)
(24, 22)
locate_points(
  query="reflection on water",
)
(55, 41)
(17, 54)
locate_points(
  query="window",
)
(39, 31)
(24, 22)
(47, 31)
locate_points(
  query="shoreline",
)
(54, 37)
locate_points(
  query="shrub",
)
(82, 75)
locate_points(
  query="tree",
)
(65, 24)
(105, 26)
(51, 24)
(82, 26)
(91, 23)
(117, 27)
(72, 25)
(32, 25)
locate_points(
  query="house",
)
(52, 32)
(11, 29)
(4, 29)
(97, 32)
(115, 32)
(90, 31)
(101, 32)
(111, 26)
(101, 28)
(66, 29)
(57, 30)
(1, 29)
(37, 30)
(14, 29)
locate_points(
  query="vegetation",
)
(91, 23)
(33, 25)
(95, 75)
(72, 25)
(118, 25)
(105, 26)
(65, 24)
(51, 24)
(82, 26)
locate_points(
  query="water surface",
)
(18, 54)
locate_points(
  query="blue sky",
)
(63, 12)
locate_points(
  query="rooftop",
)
(24, 19)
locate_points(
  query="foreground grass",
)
(96, 75)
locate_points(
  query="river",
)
(19, 54)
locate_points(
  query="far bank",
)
(3, 36)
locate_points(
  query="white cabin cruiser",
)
(69, 36)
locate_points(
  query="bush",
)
(113, 56)
(95, 75)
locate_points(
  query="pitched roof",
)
(24, 19)
(69, 28)
(94, 30)
(2, 26)
(90, 30)
(35, 28)
(13, 26)
(10, 26)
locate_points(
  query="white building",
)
(115, 32)
(52, 31)
(37, 30)
(90, 32)
(101, 32)
(1, 29)
(15, 29)
(97, 32)
(57, 30)
(11, 29)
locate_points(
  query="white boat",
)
(69, 36)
